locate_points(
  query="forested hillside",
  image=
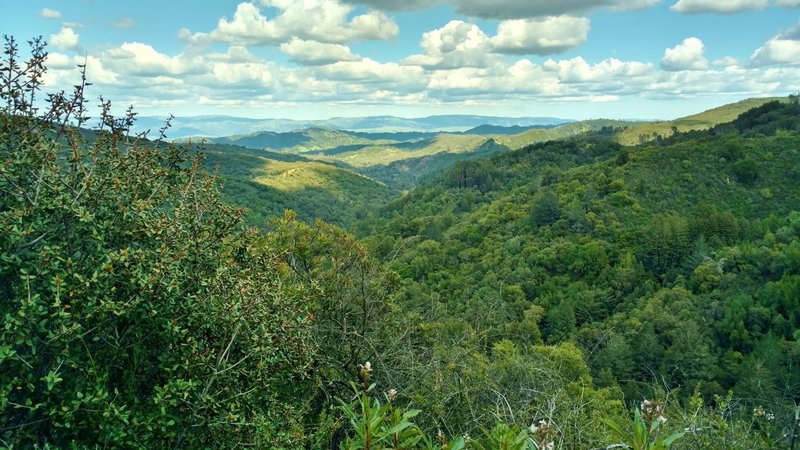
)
(269, 183)
(663, 269)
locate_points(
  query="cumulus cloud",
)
(577, 70)
(141, 59)
(457, 64)
(728, 6)
(540, 36)
(778, 50)
(324, 21)
(687, 55)
(48, 13)
(457, 44)
(367, 70)
(316, 53)
(66, 39)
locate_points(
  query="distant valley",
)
(335, 174)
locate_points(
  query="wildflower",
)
(392, 394)
(543, 433)
(365, 371)
(653, 411)
(541, 425)
(440, 437)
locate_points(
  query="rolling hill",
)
(269, 183)
(707, 119)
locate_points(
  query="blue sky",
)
(314, 59)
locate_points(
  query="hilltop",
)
(701, 121)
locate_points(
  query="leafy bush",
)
(746, 171)
(137, 309)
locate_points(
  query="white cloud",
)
(66, 39)
(251, 74)
(783, 48)
(687, 55)
(324, 21)
(316, 53)
(48, 13)
(577, 70)
(728, 6)
(457, 44)
(777, 51)
(369, 71)
(540, 36)
(143, 60)
(59, 61)
(727, 61)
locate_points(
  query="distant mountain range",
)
(218, 126)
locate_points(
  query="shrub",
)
(137, 309)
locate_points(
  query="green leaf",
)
(672, 438)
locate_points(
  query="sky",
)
(317, 59)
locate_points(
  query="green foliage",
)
(746, 171)
(269, 183)
(659, 268)
(137, 309)
(665, 242)
(645, 432)
(504, 437)
(377, 425)
(546, 209)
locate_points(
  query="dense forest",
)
(575, 293)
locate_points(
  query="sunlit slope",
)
(707, 119)
(382, 154)
(269, 183)
(560, 132)
(300, 141)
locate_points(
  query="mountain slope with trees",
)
(669, 267)
(269, 183)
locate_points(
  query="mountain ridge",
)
(220, 125)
